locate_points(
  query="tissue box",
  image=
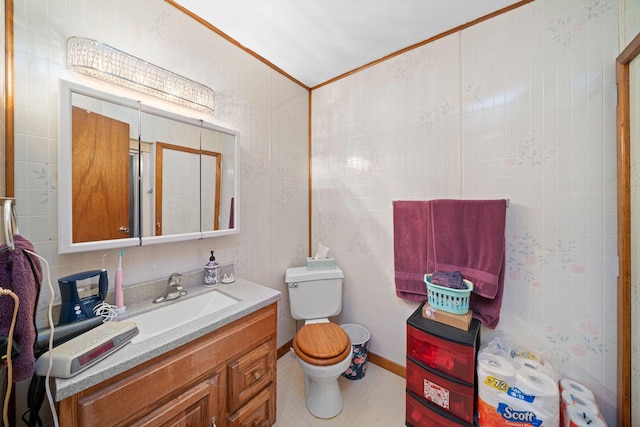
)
(328, 263)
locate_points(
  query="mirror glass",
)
(132, 174)
(170, 177)
(218, 180)
(98, 173)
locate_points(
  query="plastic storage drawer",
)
(450, 350)
(454, 396)
(423, 414)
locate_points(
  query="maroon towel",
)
(17, 275)
(487, 310)
(412, 251)
(469, 236)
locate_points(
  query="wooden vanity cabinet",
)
(225, 378)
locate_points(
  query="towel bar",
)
(507, 200)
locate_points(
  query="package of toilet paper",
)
(515, 392)
(578, 406)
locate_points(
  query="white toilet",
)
(322, 348)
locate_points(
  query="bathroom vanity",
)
(216, 371)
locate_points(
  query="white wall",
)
(629, 18)
(522, 107)
(269, 111)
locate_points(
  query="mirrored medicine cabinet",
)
(131, 174)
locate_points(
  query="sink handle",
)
(174, 279)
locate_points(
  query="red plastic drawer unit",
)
(450, 350)
(452, 395)
(424, 414)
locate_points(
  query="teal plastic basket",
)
(454, 301)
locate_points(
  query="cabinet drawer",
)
(423, 414)
(260, 411)
(450, 358)
(453, 396)
(251, 373)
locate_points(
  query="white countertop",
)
(251, 297)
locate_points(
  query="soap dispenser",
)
(212, 272)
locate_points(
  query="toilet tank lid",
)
(302, 274)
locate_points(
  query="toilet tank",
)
(314, 294)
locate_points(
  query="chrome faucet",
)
(174, 289)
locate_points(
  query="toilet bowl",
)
(323, 351)
(322, 348)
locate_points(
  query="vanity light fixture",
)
(99, 60)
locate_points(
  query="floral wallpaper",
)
(522, 107)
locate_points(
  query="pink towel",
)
(469, 236)
(21, 273)
(412, 250)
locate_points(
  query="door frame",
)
(623, 135)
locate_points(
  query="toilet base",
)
(323, 398)
(322, 391)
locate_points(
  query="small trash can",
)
(359, 337)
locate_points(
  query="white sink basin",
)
(174, 314)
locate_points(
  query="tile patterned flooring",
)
(375, 400)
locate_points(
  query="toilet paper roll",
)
(542, 388)
(573, 417)
(503, 372)
(576, 389)
(536, 383)
(525, 363)
(496, 365)
(570, 400)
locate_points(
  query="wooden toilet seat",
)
(322, 344)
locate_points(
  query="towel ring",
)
(10, 223)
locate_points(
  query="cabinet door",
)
(193, 408)
(260, 411)
(251, 373)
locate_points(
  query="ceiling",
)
(314, 41)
